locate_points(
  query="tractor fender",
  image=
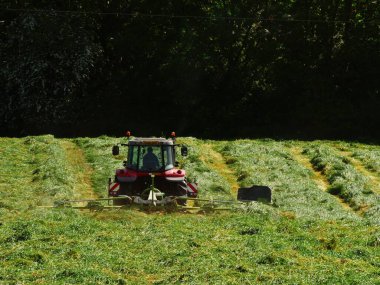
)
(175, 179)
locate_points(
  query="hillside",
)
(323, 226)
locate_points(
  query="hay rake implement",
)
(151, 180)
(155, 200)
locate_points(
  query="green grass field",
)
(322, 228)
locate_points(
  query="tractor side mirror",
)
(184, 150)
(115, 150)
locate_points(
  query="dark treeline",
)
(216, 69)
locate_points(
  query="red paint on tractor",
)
(168, 173)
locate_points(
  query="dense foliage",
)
(271, 68)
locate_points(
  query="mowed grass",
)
(197, 165)
(369, 155)
(285, 245)
(125, 247)
(33, 170)
(98, 152)
(268, 162)
(345, 180)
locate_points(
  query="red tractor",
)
(151, 177)
(151, 174)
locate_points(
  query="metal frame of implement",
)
(156, 200)
(168, 203)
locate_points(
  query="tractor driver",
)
(150, 160)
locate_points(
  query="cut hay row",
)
(266, 162)
(345, 180)
(318, 177)
(200, 167)
(97, 152)
(36, 171)
(366, 159)
(367, 154)
(81, 170)
(64, 246)
(16, 175)
(215, 161)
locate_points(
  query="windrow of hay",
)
(345, 180)
(316, 175)
(16, 175)
(37, 172)
(216, 161)
(65, 246)
(97, 152)
(268, 162)
(366, 162)
(81, 170)
(199, 168)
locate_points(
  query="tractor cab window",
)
(168, 157)
(133, 157)
(150, 157)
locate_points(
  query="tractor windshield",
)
(150, 157)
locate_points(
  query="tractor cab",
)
(151, 155)
(149, 158)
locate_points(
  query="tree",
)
(47, 59)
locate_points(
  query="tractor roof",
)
(150, 141)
